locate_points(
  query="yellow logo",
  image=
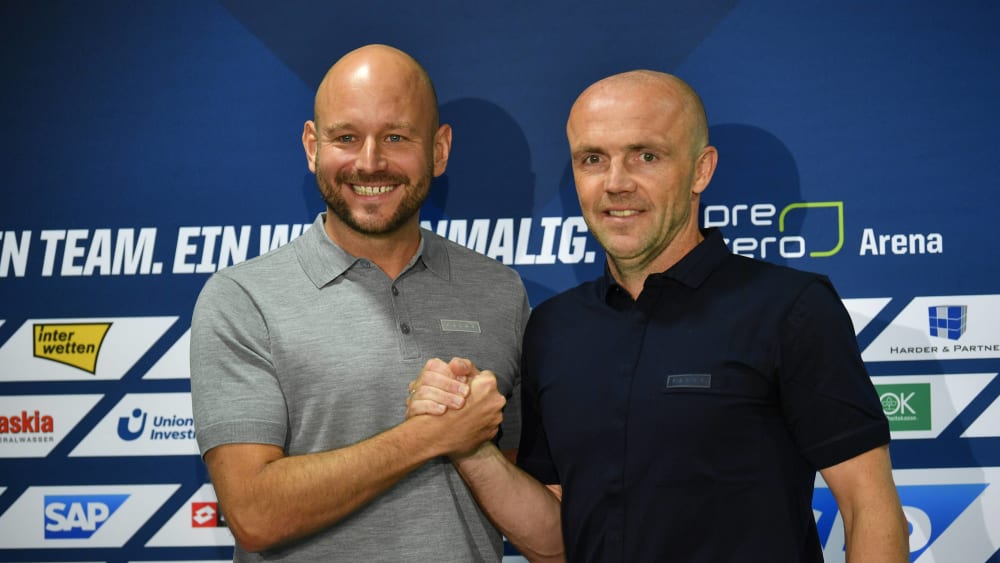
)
(75, 345)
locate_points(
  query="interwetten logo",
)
(207, 515)
(75, 345)
(906, 405)
(947, 321)
(78, 516)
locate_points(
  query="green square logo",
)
(906, 405)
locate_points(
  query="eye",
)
(591, 159)
(647, 156)
(394, 138)
(344, 138)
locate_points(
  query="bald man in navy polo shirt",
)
(678, 407)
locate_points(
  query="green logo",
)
(906, 405)
(838, 205)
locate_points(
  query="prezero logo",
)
(78, 516)
(784, 244)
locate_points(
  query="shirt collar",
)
(692, 270)
(324, 261)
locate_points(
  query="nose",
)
(370, 157)
(618, 179)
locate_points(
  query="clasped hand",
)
(461, 395)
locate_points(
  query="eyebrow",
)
(346, 125)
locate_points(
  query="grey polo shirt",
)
(311, 349)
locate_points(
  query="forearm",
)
(874, 535)
(523, 509)
(875, 529)
(291, 497)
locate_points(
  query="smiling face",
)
(640, 161)
(375, 144)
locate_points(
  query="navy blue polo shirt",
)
(688, 425)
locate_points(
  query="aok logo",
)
(785, 243)
(75, 345)
(206, 515)
(906, 405)
(78, 516)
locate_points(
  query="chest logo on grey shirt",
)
(449, 325)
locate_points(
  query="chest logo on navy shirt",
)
(688, 381)
(450, 325)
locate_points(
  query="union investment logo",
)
(947, 321)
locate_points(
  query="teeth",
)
(371, 190)
(622, 213)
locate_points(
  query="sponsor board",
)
(74, 517)
(32, 425)
(940, 328)
(813, 229)
(922, 406)
(175, 363)
(950, 511)
(78, 349)
(141, 424)
(988, 423)
(862, 311)
(521, 241)
(197, 523)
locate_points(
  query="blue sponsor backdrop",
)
(855, 140)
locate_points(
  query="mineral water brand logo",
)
(27, 423)
(906, 405)
(75, 345)
(947, 321)
(78, 516)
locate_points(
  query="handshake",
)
(459, 404)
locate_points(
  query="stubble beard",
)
(415, 194)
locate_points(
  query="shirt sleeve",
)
(829, 401)
(511, 427)
(234, 392)
(533, 455)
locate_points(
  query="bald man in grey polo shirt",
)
(300, 358)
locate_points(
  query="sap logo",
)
(929, 511)
(125, 431)
(206, 515)
(78, 516)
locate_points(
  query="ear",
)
(310, 142)
(704, 169)
(442, 148)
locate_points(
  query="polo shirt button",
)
(395, 290)
(405, 328)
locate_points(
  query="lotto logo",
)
(206, 515)
(78, 516)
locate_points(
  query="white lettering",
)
(900, 244)
(14, 254)
(502, 242)
(271, 237)
(514, 246)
